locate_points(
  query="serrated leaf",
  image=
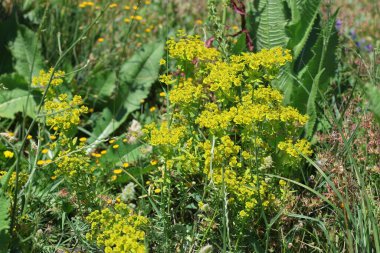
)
(16, 100)
(300, 28)
(27, 53)
(271, 28)
(136, 76)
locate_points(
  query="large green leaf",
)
(103, 84)
(271, 28)
(300, 27)
(26, 52)
(16, 100)
(136, 77)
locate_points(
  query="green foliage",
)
(296, 26)
(16, 100)
(373, 95)
(4, 222)
(136, 77)
(26, 52)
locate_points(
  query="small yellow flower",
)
(198, 22)
(103, 152)
(162, 94)
(142, 101)
(116, 146)
(53, 177)
(127, 20)
(118, 200)
(162, 62)
(113, 5)
(158, 190)
(55, 128)
(83, 139)
(148, 30)
(127, 7)
(125, 165)
(152, 109)
(138, 18)
(282, 182)
(125, 140)
(111, 141)
(45, 151)
(29, 137)
(148, 2)
(114, 177)
(91, 110)
(8, 154)
(100, 40)
(135, 7)
(96, 155)
(153, 162)
(40, 162)
(117, 171)
(52, 137)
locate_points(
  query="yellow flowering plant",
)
(223, 129)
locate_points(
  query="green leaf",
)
(16, 100)
(13, 80)
(136, 76)
(4, 222)
(27, 53)
(373, 95)
(271, 28)
(311, 108)
(300, 27)
(103, 83)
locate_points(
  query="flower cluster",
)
(118, 230)
(229, 124)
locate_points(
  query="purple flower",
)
(369, 47)
(352, 34)
(338, 24)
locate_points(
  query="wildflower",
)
(162, 94)
(128, 192)
(198, 22)
(162, 62)
(135, 7)
(113, 5)
(125, 165)
(103, 152)
(152, 109)
(111, 141)
(117, 171)
(83, 139)
(116, 146)
(29, 137)
(45, 151)
(282, 182)
(148, 30)
(53, 177)
(127, 20)
(8, 154)
(148, 2)
(126, 7)
(158, 190)
(113, 178)
(52, 137)
(40, 162)
(100, 40)
(153, 162)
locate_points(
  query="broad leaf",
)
(16, 100)
(271, 28)
(136, 76)
(26, 51)
(373, 95)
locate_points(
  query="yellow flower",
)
(198, 22)
(135, 7)
(282, 182)
(138, 18)
(127, 7)
(162, 62)
(111, 141)
(40, 162)
(117, 171)
(116, 146)
(53, 177)
(158, 190)
(83, 139)
(8, 154)
(153, 162)
(103, 152)
(127, 20)
(148, 30)
(125, 165)
(52, 137)
(162, 94)
(148, 2)
(45, 151)
(113, 178)
(152, 109)
(113, 5)
(100, 40)
(29, 137)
